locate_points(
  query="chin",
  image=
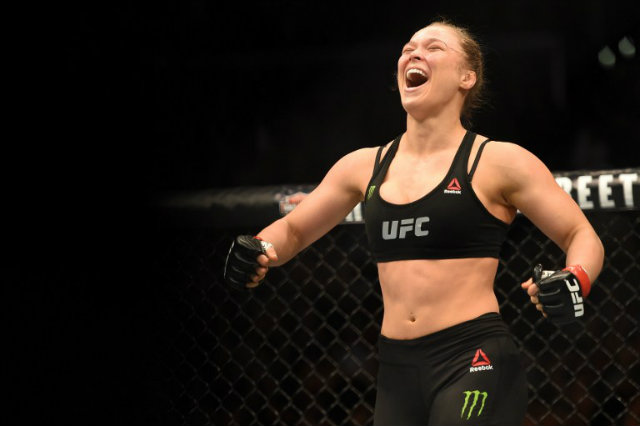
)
(416, 108)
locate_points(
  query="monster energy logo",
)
(476, 394)
(370, 192)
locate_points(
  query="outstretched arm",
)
(325, 207)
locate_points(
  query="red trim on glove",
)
(583, 278)
(258, 238)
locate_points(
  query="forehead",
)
(442, 32)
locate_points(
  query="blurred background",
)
(133, 99)
(201, 94)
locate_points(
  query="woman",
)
(438, 202)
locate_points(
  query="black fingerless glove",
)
(242, 261)
(561, 293)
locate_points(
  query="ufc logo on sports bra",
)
(417, 225)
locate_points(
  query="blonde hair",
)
(475, 61)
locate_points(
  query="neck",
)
(433, 133)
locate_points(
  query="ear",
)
(468, 79)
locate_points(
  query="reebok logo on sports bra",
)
(454, 187)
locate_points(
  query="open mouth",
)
(415, 77)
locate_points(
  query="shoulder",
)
(363, 158)
(353, 170)
(515, 165)
(501, 149)
(511, 156)
(359, 156)
(353, 163)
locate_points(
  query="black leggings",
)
(468, 374)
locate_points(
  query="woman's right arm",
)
(325, 207)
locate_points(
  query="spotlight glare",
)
(626, 47)
(606, 57)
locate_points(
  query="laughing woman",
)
(439, 199)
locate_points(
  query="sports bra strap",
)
(380, 164)
(378, 156)
(477, 159)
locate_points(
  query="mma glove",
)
(561, 293)
(242, 260)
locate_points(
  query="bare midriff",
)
(427, 295)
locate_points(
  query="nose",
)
(416, 55)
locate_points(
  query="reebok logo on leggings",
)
(480, 362)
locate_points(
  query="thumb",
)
(271, 254)
(525, 285)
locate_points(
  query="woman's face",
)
(432, 71)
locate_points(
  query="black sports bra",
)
(448, 222)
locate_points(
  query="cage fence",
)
(300, 349)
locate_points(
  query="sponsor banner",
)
(250, 207)
(602, 190)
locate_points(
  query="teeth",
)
(416, 71)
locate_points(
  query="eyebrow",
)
(411, 43)
(429, 39)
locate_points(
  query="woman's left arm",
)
(527, 185)
(530, 187)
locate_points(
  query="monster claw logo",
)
(370, 192)
(473, 402)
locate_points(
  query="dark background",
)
(128, 100)
(198, 94)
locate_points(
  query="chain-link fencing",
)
(301, 348)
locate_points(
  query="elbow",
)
(597, 257)
(598, 248)
(601, 251)
(585, 247)
(294, 237)
(290, 245)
